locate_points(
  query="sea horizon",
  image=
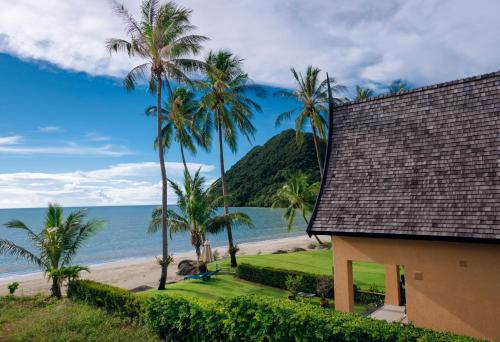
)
(125, 237)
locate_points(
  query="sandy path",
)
(132, 273)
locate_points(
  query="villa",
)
(412, 181)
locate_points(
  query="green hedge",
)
(253, 318)
(112, 299)
(276, 277)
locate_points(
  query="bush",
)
(276, 277)
(176, 318)
(12, 287)
(251, 318)
(293, 284)
(110, 298)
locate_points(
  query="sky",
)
(69, 132)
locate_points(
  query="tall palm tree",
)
(186, 121)
(296, 195)
(363, 93)
(397, 85)
(225, 88)
(197, 212)
(312, 94)
(163, 40)
(57, 244)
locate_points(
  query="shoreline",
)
(138, 271)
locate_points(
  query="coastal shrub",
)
(112, 299)
(12, 287)
(250, 318)
(277, 277)
(176, 318)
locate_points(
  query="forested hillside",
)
(254, 179)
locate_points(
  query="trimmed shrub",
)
(277, 277)
(112, 299)
(176, 318)
(250, 318)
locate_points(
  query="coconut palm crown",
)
(363, 93)
(225, 90)
(311, 92)
(57, 243)
(198, 212)
(163, 40)
(185, 122)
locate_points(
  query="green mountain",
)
(256, 177)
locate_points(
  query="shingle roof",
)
(420, 164)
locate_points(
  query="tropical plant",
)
(397, 85)
(184, 120)
(363, 93)
(313, 96)
(163, 39)
(323, 289)
(57, 244)
(296, 195)
(293, 284)
(12, 287)
(224, 96)
(198, 212)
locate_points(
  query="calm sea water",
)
(125, 235)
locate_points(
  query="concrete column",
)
(342, 281)
(392, 289)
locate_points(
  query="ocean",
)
(125, 235)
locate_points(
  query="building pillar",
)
(342, 280)
(392, 288)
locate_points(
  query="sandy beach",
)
(132, 273)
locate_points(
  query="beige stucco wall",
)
(449, 286)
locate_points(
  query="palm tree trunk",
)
(307, 223)
(232, 250)
(183, 158)
(55, 290)
(164, 239)
(316, 146)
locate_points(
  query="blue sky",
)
(70, 133)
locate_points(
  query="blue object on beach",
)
(203, 276)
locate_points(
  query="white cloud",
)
(10, 140)
(92, 136)
(50, 129)
(357, 41)
(121, 184)
(71, 149)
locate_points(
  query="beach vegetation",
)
(311, 93)
(12, 287)
(163, 38)
(398, 85)
(224, 95)
(185, 121)
(363, 93)
(198, 212)
(57, 243)
(296, 195)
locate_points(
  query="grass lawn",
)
(42, 319)
(318, 262)
(226, 286)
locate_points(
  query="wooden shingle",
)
(423, 163)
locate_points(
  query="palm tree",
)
(198, 212)
(225, 98)
(296, 195)
(397, 85)
(163, 40)
(312, 93)
(57, 244)
(185, 120)
(363, 93)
